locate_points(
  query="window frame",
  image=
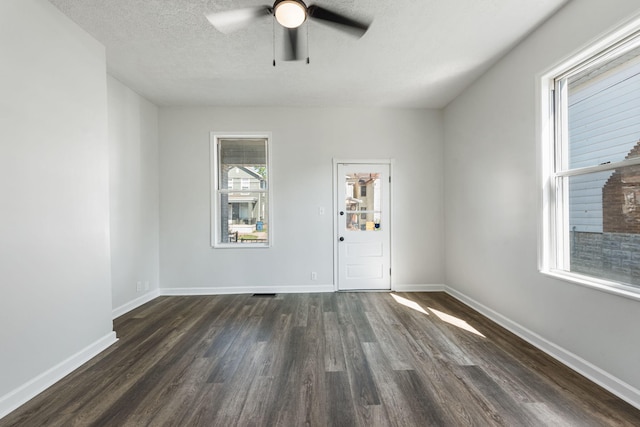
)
(215, 214)
(553, 139)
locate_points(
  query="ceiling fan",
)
(291, 14)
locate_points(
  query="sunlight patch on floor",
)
(452, 320)
(455, 321)
(408, 303)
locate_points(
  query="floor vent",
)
(264, 295)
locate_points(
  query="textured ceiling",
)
(417, 53)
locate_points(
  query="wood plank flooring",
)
(334, 359)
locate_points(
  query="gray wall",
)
(54, 208)
(493, 209)
(304, 143)
(134, 196)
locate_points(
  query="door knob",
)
(341, 213)
(341, 239)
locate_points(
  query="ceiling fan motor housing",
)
(290, 13)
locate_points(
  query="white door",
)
(363, 240)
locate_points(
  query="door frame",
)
(336, 206)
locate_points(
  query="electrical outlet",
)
(314, 275)
(139, 286)
(320, 210)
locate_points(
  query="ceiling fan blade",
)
(232, 20)
(352, 26)
(291, 44)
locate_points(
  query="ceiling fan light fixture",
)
(290, 13)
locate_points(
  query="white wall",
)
(55, 296)
(304, 143)
(134, 196)
(492, 205)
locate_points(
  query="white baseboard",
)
(419, 288)
(611, 383)
(245, 290)
(125, 308)
(14, 399)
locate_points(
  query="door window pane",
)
(362, 202)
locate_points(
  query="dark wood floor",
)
(343, 359)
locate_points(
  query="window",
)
(363, 212)
(591, 168)
(240, 218)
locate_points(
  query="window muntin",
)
(593, 200)
(241, 210)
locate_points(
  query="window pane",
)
(243, 152)
(585, 201)
(244, 217)
(362, 202)
(604, 224)
(603, 110)
(242, 191)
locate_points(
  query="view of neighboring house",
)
(604, 213)
(363, 201)
(246, 206)
(594, 140)
(621, 199)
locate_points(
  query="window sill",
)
(614, 288)
(242, 246)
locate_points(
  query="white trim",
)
(363, 161)
(604, 379)
(392, 163)
(131, 305)
(419, 288)
(614, 288)
(552, 219)
(14, 399)
(224, 290)
(598, 168)
(334, 210)
(624, 29)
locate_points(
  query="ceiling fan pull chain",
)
(273, 27)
